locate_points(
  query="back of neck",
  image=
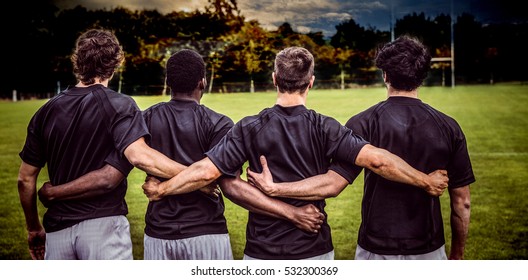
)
(97, 82)
(290, 99)
(394, 92)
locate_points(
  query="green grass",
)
(494, 119)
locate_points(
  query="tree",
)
(249, 51)
(419, 26)
(354, 45)
(225, 16)
(469, 48)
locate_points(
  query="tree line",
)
(39, 38)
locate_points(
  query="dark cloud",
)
(323, 15)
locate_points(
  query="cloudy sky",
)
(323, 15)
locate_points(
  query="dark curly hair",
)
(294, 67)
(97, 54)
(185, 69)
(405, 62)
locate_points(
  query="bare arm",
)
(94, 183)
(155, 163)
(307, 218)
(194, 177)
(151, 161)
(460, 215)
(27, 191)
(392, 167)
(318, 187)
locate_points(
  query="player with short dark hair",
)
(301, 143)
(404, 223)
(190, 225)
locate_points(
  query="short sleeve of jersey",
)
(229, 154)
(346, 170)
(347, 147)
(33, 152)
(119, 162)
(460, 171)
(343, 168)
(346, 167)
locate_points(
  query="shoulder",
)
(252, 120)
(378, 108)
(156, 107)
(363, 119)
(327, 125)
(120, 102)
(49, 106)
(443, 117)
(322, 120)
(214, 116)
(153, 110)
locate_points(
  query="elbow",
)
(466, 200)
(466, 204)
(137, 160)
(336, 189)
(209, 175)
(20, 181)
(137, 154)
(109, 178)
(371, 158)
(333, 193)
(108, 185)
(229, 191)
(334, 185)
(23, 184)
(209, 172)
(461, 204)
(376, 162)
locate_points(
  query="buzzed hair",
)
(405, 62)
(185, 69)
(294, 68)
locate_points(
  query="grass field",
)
(494, 119)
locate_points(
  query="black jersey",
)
(76, 132)
(402, 219)
(298, 143)
(184, 131)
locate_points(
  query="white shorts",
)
(203, 247)
(438, 254)
(327, 256)
(106, 238)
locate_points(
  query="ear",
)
(274, 81)
(202, 84)
(312, 80)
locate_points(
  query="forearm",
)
(157, 164)
(151, 161)
(318, 187)
(392, 167)
(28, 200)
(460, 217)
(196, 176)
(27, 191)
(92, 184)
(253, 199)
